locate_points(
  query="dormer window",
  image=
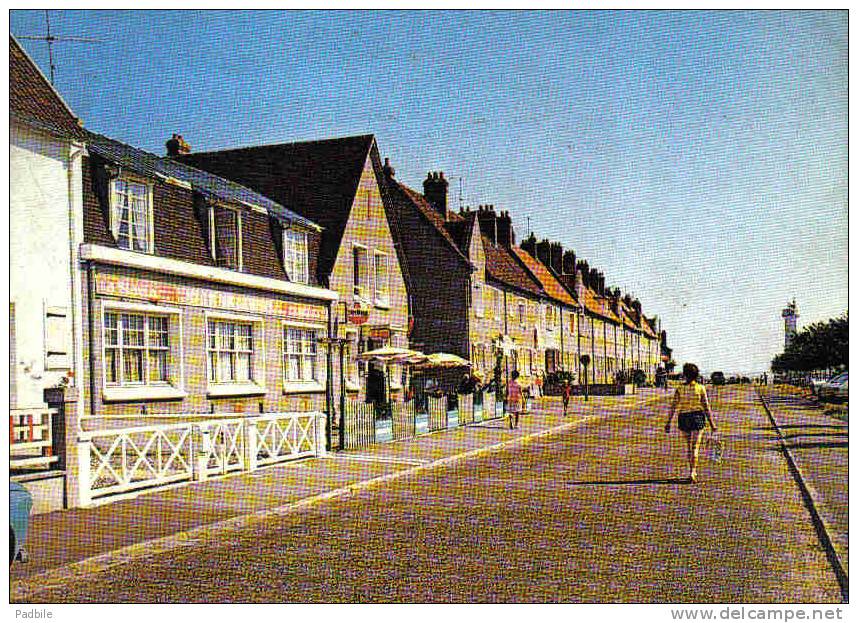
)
(295, 255)
(131, 214)
(225, 231)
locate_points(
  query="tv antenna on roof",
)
(49, 39)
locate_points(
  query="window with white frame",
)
(478, 299)
(300, 355)
(295, 258)
(136, 349)
(131, 215)
(382, 280)
(521, 313)
(230, 350)
(498, 304)
(360, 271)
(225, 231)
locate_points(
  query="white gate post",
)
(320, 434)
(250, 443)
(84, 449)
(201, 460)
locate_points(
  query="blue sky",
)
(698, 158)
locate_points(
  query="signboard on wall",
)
(130, 286)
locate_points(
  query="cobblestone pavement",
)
(820, 445)
(600, 513)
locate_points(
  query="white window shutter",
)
(56, 338)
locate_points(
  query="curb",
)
(809, 494)
(29, 586)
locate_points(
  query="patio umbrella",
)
(446, 360)
(392, 354)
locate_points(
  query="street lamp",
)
(585, 361)
(332, 341)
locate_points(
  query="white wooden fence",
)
(115, 463)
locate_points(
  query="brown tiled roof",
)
(648, 327)
(599, 305)
(502, 266)
(549, 283)
(34, 100)
(316, 179)
(405, 198)
(462, 230)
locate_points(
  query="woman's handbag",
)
(715, 447)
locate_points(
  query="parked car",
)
(835, 389)
(717, 378)
(20, 504)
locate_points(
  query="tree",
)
(816, 347)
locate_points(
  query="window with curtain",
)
(360, 272)
(300, 355)
(226, 237)
(136, 349)
(382, 280)
(131, 215)
(295, 258)
(230, 350)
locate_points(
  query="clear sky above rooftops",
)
(698, 158)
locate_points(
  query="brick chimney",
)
(556, 257)
(580, 281)
(488, 222)
(506, 234)
(543, 251)
(177, 146)
(388, 170)
(568, 263)
(529, 245)
(435, 191)
(584, 269)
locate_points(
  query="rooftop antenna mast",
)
(49, 39)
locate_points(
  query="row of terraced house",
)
(196, 294)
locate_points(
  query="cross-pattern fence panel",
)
(113, 462)
(118, 462)
(284, 436)
(222, 445)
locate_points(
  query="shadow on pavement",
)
(650, 481)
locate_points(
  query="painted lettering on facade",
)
(127, 286)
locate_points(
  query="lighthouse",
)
(790, 316)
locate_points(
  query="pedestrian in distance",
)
(514, 398)
(567, 392)
(692, 404)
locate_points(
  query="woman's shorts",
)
(694, 420)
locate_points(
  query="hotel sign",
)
(127, 286)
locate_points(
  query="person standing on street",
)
(567, 392)
(514, 399)
(692, 404)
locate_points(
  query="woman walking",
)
(514, 399)
(691, 402)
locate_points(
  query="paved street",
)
(820, 445)
(600, 513)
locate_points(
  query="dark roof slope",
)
(205, 183)
(316, 179)
(503, 267)
(462, 229)
(33, 99)
(405, 198)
